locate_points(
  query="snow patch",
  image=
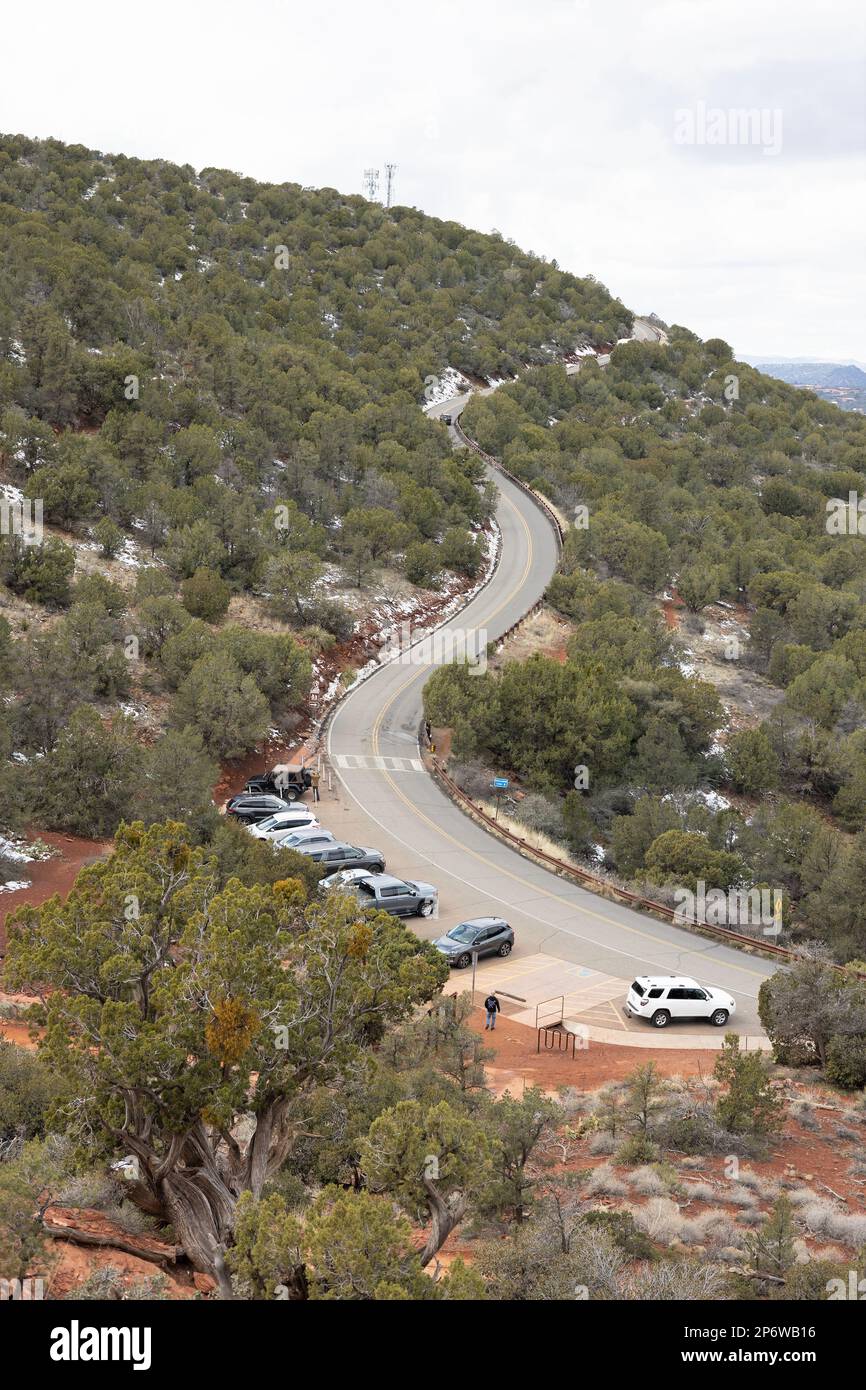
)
(18, 851)
(449, 383)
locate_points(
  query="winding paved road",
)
(393, 804)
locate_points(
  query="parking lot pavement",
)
(537, 989)
(592, 1001)
(338, 812)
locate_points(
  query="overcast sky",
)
(586, 130)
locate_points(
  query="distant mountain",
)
(842, 383)
(816, 373)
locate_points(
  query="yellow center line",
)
(452, 839)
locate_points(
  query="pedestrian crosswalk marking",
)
(371, 763)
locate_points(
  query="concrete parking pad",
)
(536, 983)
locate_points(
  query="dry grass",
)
(750, 1216)
(800, 1196)
(660, 1219)
(710, 1228)
(766, 1188)
(602, 1144)
(824, 1219)
(546, 632)
(535, 839)
(605, 1183)
(701, 1192)
(648, 1182)
(252, 614)
(731, 1255)
(739, 1196)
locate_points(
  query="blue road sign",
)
(500, 783)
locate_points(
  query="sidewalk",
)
(537, 990)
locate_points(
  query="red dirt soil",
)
(672, 609)
(75, 1263)
(50, 876)
(516, 1060)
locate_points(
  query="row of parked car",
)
(360, 870)
(354, 868)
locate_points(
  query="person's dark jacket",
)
(491, 1004)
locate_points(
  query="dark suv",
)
(403, 897)
(480, 936)
(251, 809)
(339, 855)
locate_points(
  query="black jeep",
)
(288, 781)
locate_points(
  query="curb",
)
(660, 1039)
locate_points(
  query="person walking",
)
(491, 1004)
(428, 731)
(314, 783)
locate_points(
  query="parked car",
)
(403, 897)
(293, 839)
(660, 998)
(287, 780)
(292, 818)
(251, 809)
(338, 855)
(343, 878)
(481, 936)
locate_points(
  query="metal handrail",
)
(559, 1001)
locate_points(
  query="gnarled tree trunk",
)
(196, 1186)
(445, 1213)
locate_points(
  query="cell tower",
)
(371, 183)
(390, 171)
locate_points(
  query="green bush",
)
(108, 537)
(628, 1236)
(205, 595)
(422, 563)
(638, 1148)
(846, 1061)
(28, 1089)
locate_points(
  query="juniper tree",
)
(172, 1006)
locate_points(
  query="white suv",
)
(663, 997)
(293, 818)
